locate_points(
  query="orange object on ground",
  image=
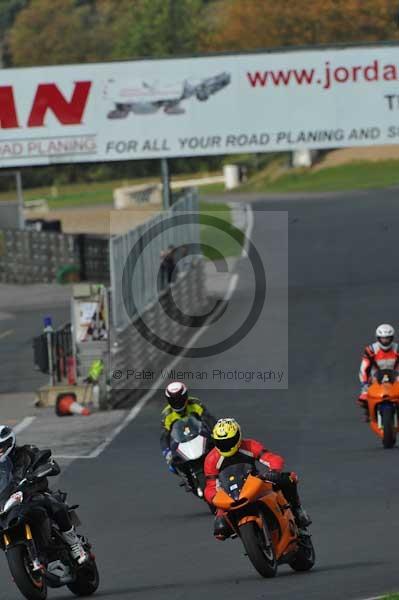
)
(67, 405)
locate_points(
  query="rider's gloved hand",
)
(363, 393)
(271, 476)
(169, 460)
(167, 453)
(285, 478)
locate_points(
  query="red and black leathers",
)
(374, 358)
(250, 451)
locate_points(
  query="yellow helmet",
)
(227, 436)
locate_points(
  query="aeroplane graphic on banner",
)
(144, 98)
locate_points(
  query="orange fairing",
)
(252, 489)
(379, 392)
(222, 500)
(278, 505)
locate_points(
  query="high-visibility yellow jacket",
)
(194, 408)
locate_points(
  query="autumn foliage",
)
(256, 24)
(39, 32)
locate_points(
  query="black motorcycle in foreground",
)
(36, 553)
(190, 443)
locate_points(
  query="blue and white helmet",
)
(385, 334)
(7, 442)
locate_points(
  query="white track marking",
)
(230, 289)
(138, 407)
(248, 230)
(71, 456)
(23, 424)
(6, 333)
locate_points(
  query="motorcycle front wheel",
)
(259, 548)
(388, 424)
(32, 585)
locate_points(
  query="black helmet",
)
(177, 395)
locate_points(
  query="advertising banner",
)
(222, 104)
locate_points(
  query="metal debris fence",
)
(135, 257)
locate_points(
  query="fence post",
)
(48, 330)
(20, 199)
(165, 183)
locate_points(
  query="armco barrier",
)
(129, 349)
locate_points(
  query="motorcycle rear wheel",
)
(87, 580)
(32, 586)
(264, 560)
(389, 437)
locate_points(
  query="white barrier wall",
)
(199, 106)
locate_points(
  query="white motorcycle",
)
(190, 443)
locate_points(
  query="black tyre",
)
(259, 548)
(87, 580)
(31, 585)
(389, 438)
(305, 557)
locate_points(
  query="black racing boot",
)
(221, 529)
(302, 518)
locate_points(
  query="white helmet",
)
(385, 334)
(177, 395)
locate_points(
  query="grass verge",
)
(86, 194)
(219, 238)
(356, 175)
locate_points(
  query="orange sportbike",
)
(383, 403)
(262, 518)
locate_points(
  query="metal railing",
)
(137, 258)
(61, 352)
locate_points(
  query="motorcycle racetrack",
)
(154, 541)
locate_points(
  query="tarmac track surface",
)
(153, 541)
(19, 327)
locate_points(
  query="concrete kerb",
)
(18, 297)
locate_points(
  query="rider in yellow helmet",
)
(230, 448)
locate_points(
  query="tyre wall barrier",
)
(28, 256)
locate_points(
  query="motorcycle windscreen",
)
(233, 478)
(185, 430)
(193, 449)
